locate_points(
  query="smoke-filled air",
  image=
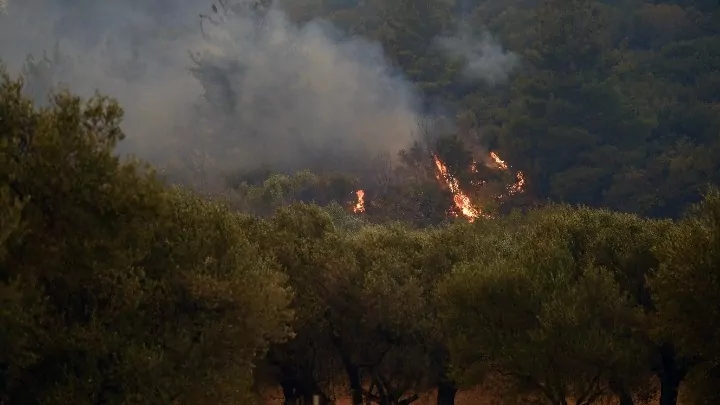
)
(231, 85)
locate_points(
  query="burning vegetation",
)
(460, 199)
(463, 205)
(360, 204)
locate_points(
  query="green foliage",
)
(113, 288)
(687, 283)
(278, 190)
(548, 312)
(226, 301)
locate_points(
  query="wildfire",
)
(360, 204)
(519, 184)
(461, 200)
(499, 162)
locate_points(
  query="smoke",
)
(486, 59)
(133, 52)
(250, 88)
(302, 92)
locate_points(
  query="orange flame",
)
(360, 204)
(461, 200)
(519, 185)
(473, 167)
(498, 162)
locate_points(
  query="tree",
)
(279, 190)
(396, 328)
(479, 242)
(321, 271)
(624, 244)
(570, 126)
(117, 290)
(686, 284)
(556, 323)
(223, 300)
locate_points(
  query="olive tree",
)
(555, 324)
(115, 289)
(685, 290)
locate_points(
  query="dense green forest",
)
(588, 273)
(612, 104)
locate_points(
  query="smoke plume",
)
(246, 88)
(486, 59)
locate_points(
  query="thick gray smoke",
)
(301, 92)
(250, 88)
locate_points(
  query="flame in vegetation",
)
(499, 162)
(360, 203)
(461, 200)
(519, 185)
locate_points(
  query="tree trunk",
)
(671, 375)
(311, 389)
(353, 374)
(621, 392)
(290, 395)
(351, 369)
(625, 397)
(446, 392)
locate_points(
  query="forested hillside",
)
(374, 200)
(613, 103)
(608, 104)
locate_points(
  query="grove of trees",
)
(117, 289)
(599, 283)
